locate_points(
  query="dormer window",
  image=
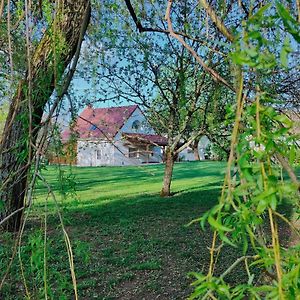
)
(136, 125)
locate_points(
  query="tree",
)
(44, 73)
(157, 73)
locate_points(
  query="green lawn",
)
(128, 242)
(96, 185)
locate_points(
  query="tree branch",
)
(216, 20)
(216, 76)
(142, 29)
(11, 215)
(288, 169)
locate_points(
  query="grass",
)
(128, 242)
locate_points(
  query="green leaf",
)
(2, 205)
(251, 51)
(284, 57)
(293, 154)
(226, 240)
(245, 243)
(284, 120)
(243, 162)
(270, 191)
(239, 57)
(256, 35)
(286, 49)
(224, 289)
(260, 13)
(203, 219)
(261, 207)
(200, 278)
(215, 224)
(273, 202)
(290, 24)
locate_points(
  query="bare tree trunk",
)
(27, 106)
(196, 150)
(169, 164)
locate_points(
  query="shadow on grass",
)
(88, 178)
(135, 248)
(132, 247)
(204, 197)
(141, 247)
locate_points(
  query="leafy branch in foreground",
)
(263, 143)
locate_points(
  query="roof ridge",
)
(121, 106)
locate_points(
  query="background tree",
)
(157, 72)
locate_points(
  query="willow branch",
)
(139, 25)
(298, 10)
(9, 39)
(11, 215)
(230, 269)
(288, 169)
(216, 20)
(1, 8)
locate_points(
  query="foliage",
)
(3, 114)
(44, 266)
(215, 152)
(263, 143)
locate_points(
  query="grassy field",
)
(128, 242)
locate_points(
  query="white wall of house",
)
(121, 156)
(124, 160)
(129, 126)
(95, 153)
(137, 116)
(158, 153)
(204, 143)
(187, 155)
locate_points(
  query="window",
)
(136, 125)
(93, 127)
(98, 153)
(133, 152)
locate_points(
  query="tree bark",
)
(169, 164)
(23, 122)
(196, 150)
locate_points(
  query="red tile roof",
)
(153, 139)
(100, 122)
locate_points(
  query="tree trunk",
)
(196, 150)
(23, 122)
(169, 164)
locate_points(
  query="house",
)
(115, 136)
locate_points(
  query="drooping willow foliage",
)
(264, 155)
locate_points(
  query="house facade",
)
(115, 136)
